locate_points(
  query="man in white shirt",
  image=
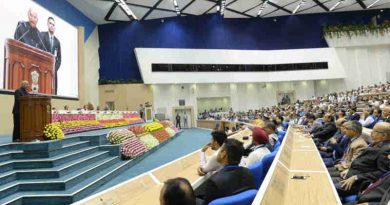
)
(366, 118)
(259, 150)
(211, 165)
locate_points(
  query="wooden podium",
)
(21, 60)
(35, 114)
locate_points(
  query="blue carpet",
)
(188, 141)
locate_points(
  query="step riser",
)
(9, 191)
(74, 156)
(5, 157)
(83, 164)
(69, 149)
(47, 201)
(8, 178)
(7, 167)
(90, 173)
(89, 190)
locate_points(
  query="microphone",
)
(39, 36)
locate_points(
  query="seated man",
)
(369, 165)
(327, 131)
(352, 130)
(259, 150)
(211, 165)
(177, 191)
(377, 193)
(367, 118)
(231, 179)
(270, 128)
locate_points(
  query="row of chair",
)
(259, 170)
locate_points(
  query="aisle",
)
(189, 140)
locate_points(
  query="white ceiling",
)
(98, 10)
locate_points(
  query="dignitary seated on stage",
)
(370, 165)
(211, 165)
(177, 191)
(231, 179)
(352, 130)
(259, 148)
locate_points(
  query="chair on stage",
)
(243, 198)
(258, 172)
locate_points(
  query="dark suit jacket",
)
(371, 163)
(327, 131)
(378, 193)
(226, 182)
(55, 50)
(28, 35)
(19, 92)
(355, 116)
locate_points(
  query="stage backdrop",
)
(15, 11)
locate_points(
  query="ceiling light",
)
(222, 9)
(302, 2)
(122, 4)
(176, 7)
(371, 5)
(262, 7)
(336, 5)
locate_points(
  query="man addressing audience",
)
(27, 31)
(22, 91)
(231, 179)
(352, 130)
(369, 165)
(177, 191)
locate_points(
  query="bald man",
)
(27, 31)
(370, 165)
(177, 191)
(22, 91)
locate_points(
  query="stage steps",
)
(57, 172)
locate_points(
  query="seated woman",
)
(210, 165)
(259, 150)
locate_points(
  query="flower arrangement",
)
(149, 141)
(133, 148)
(154, 126)
(120, 136)
(132, 121)
(138, 130)
(53, 132)
(350, 30)
(170, 131)
(175, 129)
(161, 135)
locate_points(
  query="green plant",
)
(350, 30)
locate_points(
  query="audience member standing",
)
(178, 124)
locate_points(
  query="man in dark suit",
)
(369, 165)
(52, 45)
(231, 179)
(22, 91)
(376, 193)
(327, 131)
(353, 115)
(27, 31)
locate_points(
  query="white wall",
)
(147, 56)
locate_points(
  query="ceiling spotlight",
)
(122, 4)
(371, 5)
(336, 5)
(302, 2)
(262, 7)
(176, 7)
(222, 7)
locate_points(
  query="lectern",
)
(35, 114)
(24, 62)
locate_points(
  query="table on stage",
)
(297, 176)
